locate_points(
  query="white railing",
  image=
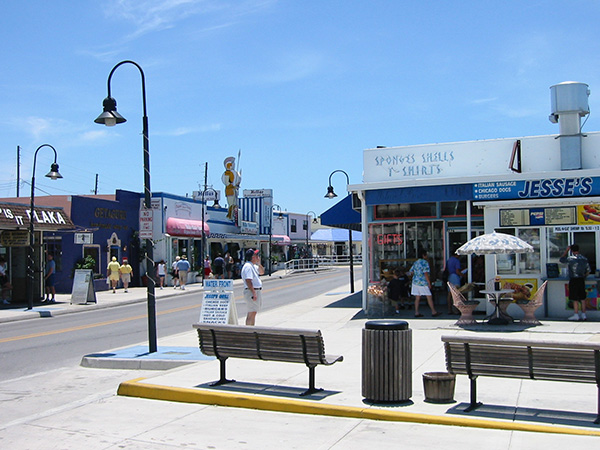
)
(319, 263)
(307, 265)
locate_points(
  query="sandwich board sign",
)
(83, 287)
(218, 304)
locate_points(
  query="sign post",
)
(146, 219)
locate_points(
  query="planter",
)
(439, 387)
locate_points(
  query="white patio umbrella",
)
(494, 243)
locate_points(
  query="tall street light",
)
(216, 204)
(331, 194)
(53, 174)
(111, 117)
(271, 230)
(308, 227)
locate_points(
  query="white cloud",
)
(154, 15)
(182, 131)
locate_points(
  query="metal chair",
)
(466, 307)
(529, 306)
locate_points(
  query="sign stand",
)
(218, 304)
(83, 287)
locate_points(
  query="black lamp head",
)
(110, 117)
(54, 174)
(330, 193)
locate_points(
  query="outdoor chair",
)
(529, 306)
(466, 307)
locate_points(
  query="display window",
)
(395, 245)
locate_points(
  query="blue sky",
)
(300, 87)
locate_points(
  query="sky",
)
(297, 88)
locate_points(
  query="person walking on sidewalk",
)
(161, 272)
(126, 272)
(183, 267)
(174, 273)
(113, 273)
(579, 269)
(251, 271)
(219, 267)
(421, 283)
(49, 279)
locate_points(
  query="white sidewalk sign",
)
(218, 304)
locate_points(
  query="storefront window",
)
(402, 210)
(396, 245)
(522, 263)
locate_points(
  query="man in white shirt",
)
(251, 272)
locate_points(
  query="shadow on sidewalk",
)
(519, 414)
(351, 301)
(268, 389)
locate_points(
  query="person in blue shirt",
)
(421, 283)
(454, 276)
(183, 267)
(49, 279)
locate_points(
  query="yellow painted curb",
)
(134, 388)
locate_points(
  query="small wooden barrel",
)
(439, 387)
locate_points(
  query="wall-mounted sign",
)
(547, 188)
(524, 217)
(14, 238)
(83, 238)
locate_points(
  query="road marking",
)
(128, 319)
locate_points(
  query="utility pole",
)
(96, 186)
(18, 168)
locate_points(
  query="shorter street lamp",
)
(271, 229)
(308, 228)
(216, 205)
(331, 194)
(53, 175)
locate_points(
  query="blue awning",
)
(342, 215)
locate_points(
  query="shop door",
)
(456, 238)
(587, 246)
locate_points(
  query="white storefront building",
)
(543, 189)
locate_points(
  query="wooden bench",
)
(269, 344)
(573, 362)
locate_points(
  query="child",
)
(398, 289)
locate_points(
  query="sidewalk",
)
(533, 413)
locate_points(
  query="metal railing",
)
(319, 263)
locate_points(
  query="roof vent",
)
(569, 103)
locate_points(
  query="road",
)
(45, 344)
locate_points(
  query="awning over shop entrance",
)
(186, 227)
(341, 215)
(282, 239)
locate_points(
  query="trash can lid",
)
(387, 325)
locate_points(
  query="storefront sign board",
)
(218, 304)
(83, 287)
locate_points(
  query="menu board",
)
(538, 216)
(561, 216)
(514, 217)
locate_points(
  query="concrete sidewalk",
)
(515, 414)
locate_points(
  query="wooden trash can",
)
(387, 361)
(439, 387)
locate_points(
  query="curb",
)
(134, 388)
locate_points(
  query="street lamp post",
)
(331, 194)
(307, 229)
(203, 232)
(271, 230)
(111, 117)
(53, 175)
